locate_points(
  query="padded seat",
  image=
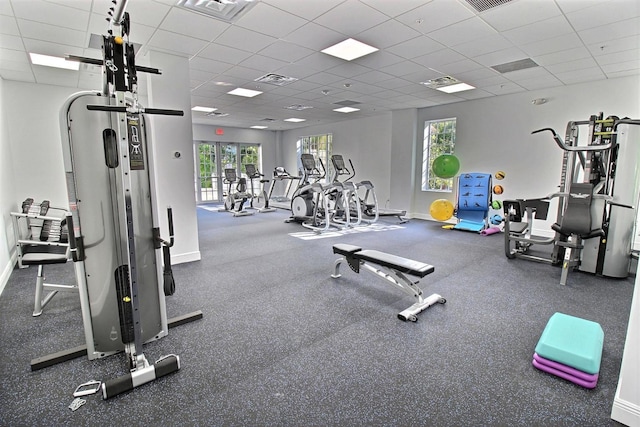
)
(404, 265)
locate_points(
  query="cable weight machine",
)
(115, 239)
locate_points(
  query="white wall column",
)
(174, 176)
(404, 125)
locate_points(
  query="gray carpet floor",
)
(281, 343)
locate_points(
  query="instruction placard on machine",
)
(136, 157)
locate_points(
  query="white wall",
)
(7, 192)
(266, 138)
(495, 134)
(365, 141)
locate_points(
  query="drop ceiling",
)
(571, 41)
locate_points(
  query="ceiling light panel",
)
(248, 93)
(459, 87)
(346, 109)
(349, 49)
(53, 61)
(203, 109)
(295, 120)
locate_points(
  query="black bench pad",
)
(404, 265)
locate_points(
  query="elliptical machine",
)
(259, 201)
(309, 204)
(347, 203)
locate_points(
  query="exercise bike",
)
(259, 201)
(234, 200)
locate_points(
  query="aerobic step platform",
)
(570, 343)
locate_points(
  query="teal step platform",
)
(573, 342)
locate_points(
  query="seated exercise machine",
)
(597, 201)
(41, 238)
(237, 195)
(114, 234)
(393, 269)
(474, 201)
(259, 200)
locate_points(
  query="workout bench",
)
(393, 269)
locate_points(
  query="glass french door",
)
(212, 159)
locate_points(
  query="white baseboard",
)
(625, 412)
(186, 257)
(6, 271)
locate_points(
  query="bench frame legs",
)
(399, 280)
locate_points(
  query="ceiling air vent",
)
(347, 103)
(217, 114)
(275, 79)
(482, 5)
(267, 119)
(520, 64)
(441, 82)
(225, 10)
(298, 107)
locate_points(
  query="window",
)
(318, 145)
(249, 154)
(439, 138)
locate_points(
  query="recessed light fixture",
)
(248, 93)
(346, 109)
(295, 120)
(298, 107)
(259, 127)
(459, 87)
(204, 109)
(222, 84)
(53, 61)
(349, 49)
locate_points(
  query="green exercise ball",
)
(446, 166)
(441, 209)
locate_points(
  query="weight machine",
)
(597, 201)
(114, 237)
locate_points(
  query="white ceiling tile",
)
(378, 60)
(342, 18)
(540, 82)
(373, 77)
(193, 24)
(46, 12)
(286, 51)
(519, 13)
(19, 76)
(320, 61)
(49, 48)
(394, 83)
(402, 68)
(240, 38)
(210, 65)
(296, 70)
(323, 78)
(223, 54)
(616, 10)
(415, 47)
(435, 15)
(5, 8)
(387, 34)
(78, 4)
(463, 32)
(263, 63)
(568, 6)
(621, 66)
(616, 74)
(577, 65)
(269, 20)
(613, 58)
(8, 25)
(562, 56)
(495, 79)
(422, 76)
(626, 43)
(314, 36)
(580, 76)
(168, 41)
(146, 12)
(605, 33)
(439, 58)
(483, 45)
(500, 57)
(504, 89)
(15, 63)
(13, 55)
(461, 67)
(564, 42)
(40, 31)
(11, 42)
(541, 30)
(474, 94)
(55, 76)
(481, 74)
(304, 9)
(395, 7)
(200, 76)
(348, 70)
